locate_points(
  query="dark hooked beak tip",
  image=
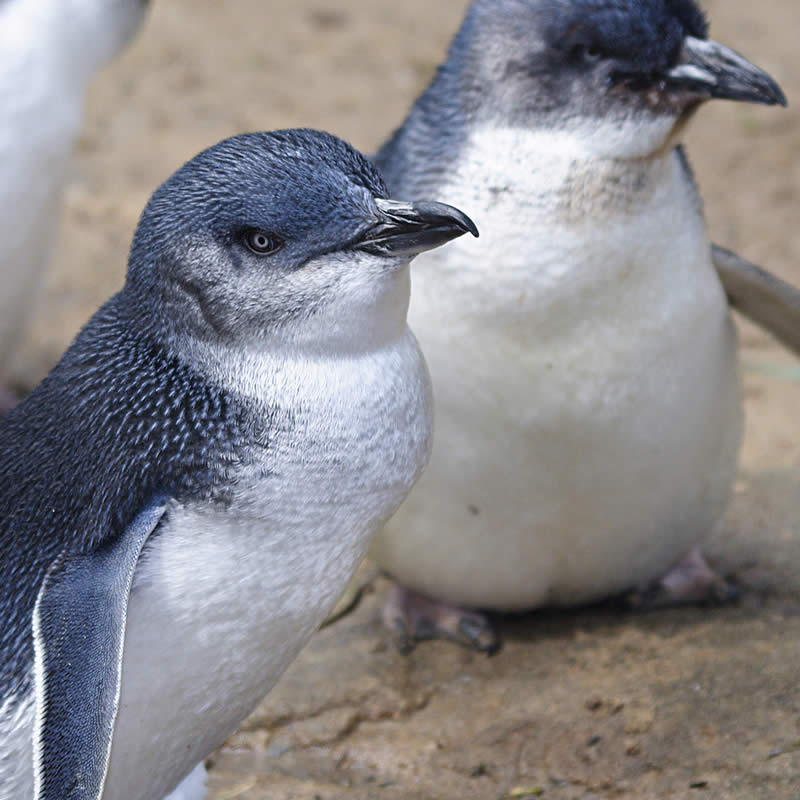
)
(408, 229)
(708, 69)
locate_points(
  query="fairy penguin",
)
(51, 50)
(583, 357)
(185, 496)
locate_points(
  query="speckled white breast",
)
(223, 600)
(584, 365)
(222, 604)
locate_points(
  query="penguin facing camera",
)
(583, 355)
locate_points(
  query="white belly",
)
(217, 615)
(588, 411)
(215, 618)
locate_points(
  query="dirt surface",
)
(692, 703)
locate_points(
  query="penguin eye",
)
(587, 53)
(260, 242)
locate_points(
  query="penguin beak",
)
(407, 229)
(708, 69)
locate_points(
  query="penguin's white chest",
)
(585, 378)
(224, 600)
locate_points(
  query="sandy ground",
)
(596, 703)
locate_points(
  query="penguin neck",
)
(591, 145)
(361, 310)
(261, 372)
(439, 140)
(561, 226)
(254, 367)
(559, 177)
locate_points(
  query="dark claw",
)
(723, 593)
(425, 629)
(478, 635)
(403, 640)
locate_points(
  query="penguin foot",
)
(689, 582)
(412, 618)
(7, 401)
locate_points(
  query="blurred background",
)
(588, 704)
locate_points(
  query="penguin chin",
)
(681, 123)
(679, 111)
(627, 136)
(365, 303)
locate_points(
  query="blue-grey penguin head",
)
(284, 236)
(636, 65)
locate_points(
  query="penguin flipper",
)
(763, 298)
(79, 629)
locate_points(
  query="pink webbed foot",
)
(412, 618)
(689, 582)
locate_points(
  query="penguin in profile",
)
(583, 355)
(185, 496)
(51, 50)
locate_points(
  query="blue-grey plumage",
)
(582, 352)
(187, 492)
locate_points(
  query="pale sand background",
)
(586, 704)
